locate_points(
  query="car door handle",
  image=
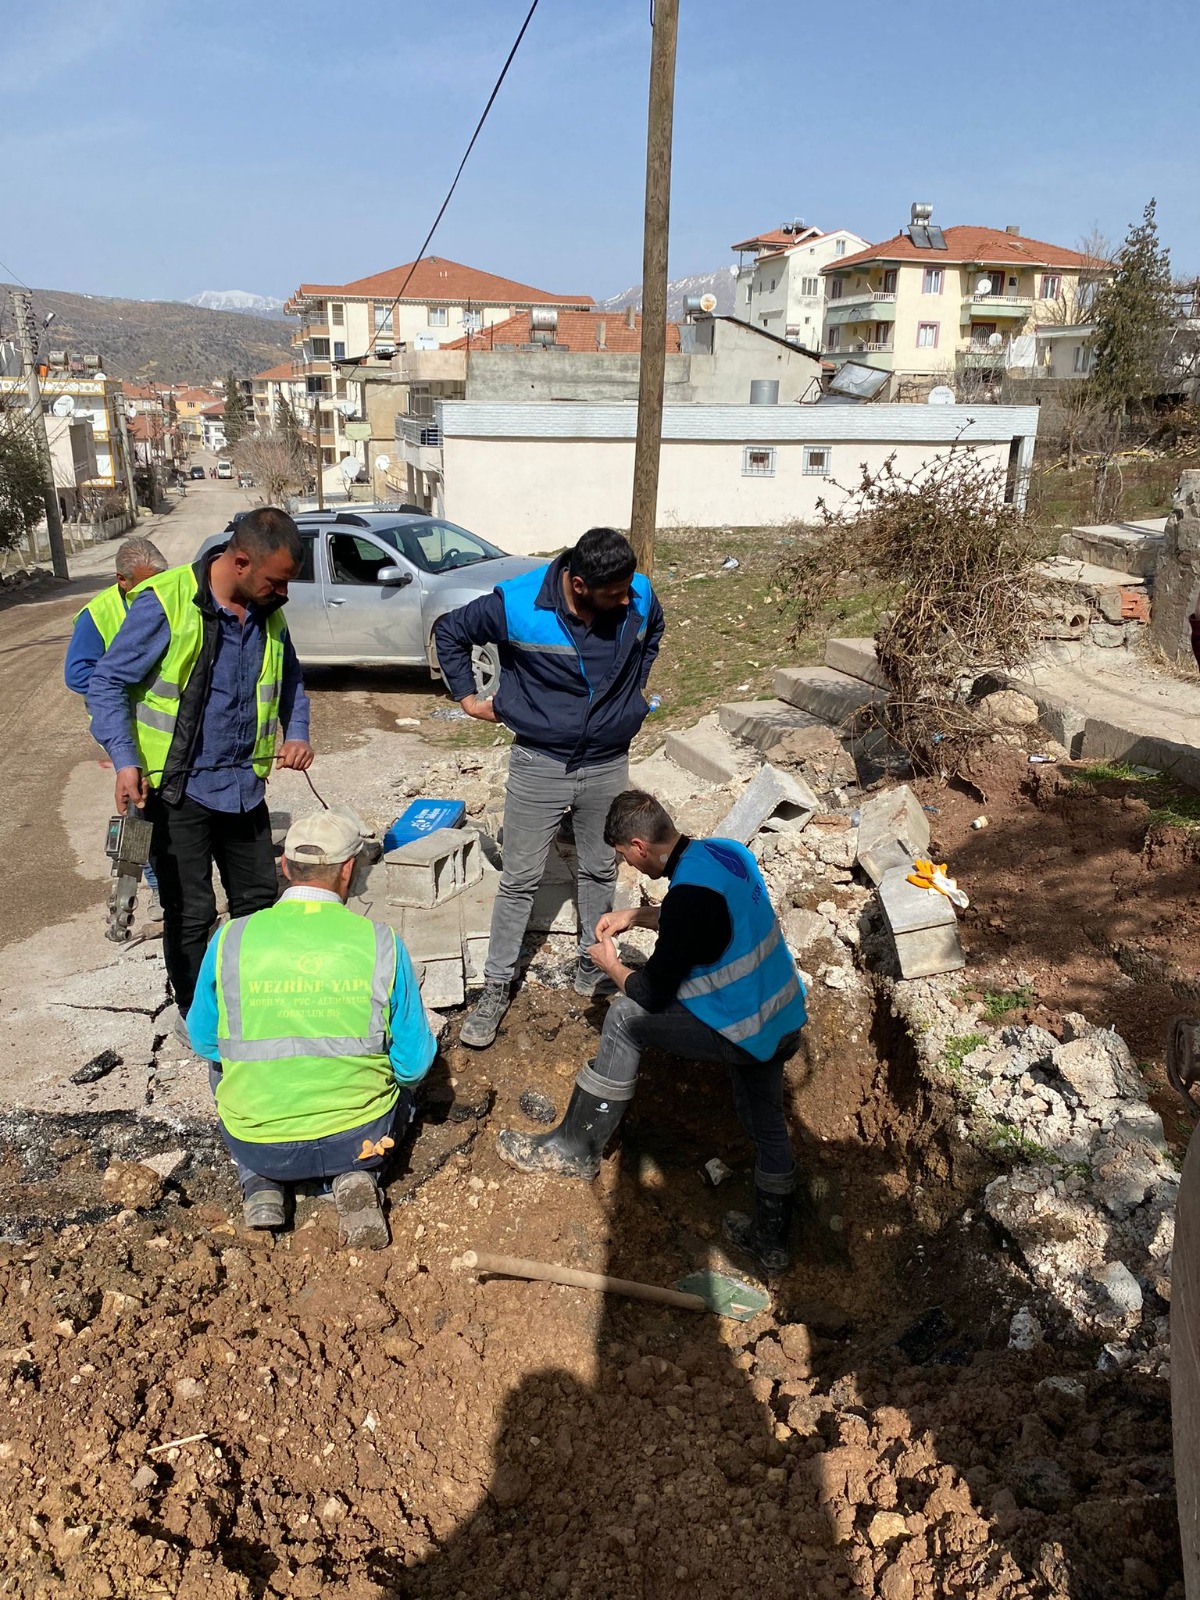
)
(335, 602)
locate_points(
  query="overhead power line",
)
(450, 192)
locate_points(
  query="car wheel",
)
(485, 660)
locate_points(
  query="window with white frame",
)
(320, 349)
(383, 319)
(839, 248)
(889, 281)
(835, 288)
(833, 338)
(1083, 358)
(927, 335)
(439, 317)
(810, 287)
(337, 314)
(817, 460)
(758, 461)
(1051, 285)
(931, 283)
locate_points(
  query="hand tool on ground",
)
(127, 846)
(728, 1297)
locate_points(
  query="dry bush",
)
(954, 565)
(277, 461)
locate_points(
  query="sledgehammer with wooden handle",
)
(543, 1272)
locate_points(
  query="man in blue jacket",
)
(577, 640)
(720, 986)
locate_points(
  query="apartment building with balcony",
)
(779, 284)
(930, 304)
(421, 307)
(271, 387)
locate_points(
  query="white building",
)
(779, 282)
(533, 477)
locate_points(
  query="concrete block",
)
(433, 868)
(554, 908)
(707, 753)
(475, 905)
(856, 658)
(1061, 720)
(923, 925)
(768, 725)
(442, 984)
(1122, 546)
(474, 949)
(892, 830)
(432, 933)
(771, 793)
(833, 696)
(1109, 741)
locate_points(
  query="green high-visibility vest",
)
(107, 611)
(155, 703)
(304, 1021)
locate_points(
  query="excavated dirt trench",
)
(388, 1426)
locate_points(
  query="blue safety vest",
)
(538, 630)
(752, 994)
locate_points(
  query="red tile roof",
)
(437, 279)
(283, 373)
(776, 236)
(215, 410)
(965, 243)
(578, 330)
(139, 429)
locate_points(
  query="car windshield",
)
(436, 546)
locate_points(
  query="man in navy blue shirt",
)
(577, 640)
(187, 701)
(96, 625)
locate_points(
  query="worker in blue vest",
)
(577, 639)
(720, 985)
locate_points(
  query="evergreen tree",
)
(235, 411)
(1132, 314)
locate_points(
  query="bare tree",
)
(276, 461)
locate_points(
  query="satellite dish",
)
(995, 340)
(350, 467)
(941, 395)
(100, 377)
(708, 304)
(382, 463)
(64, 406)
(984, 286)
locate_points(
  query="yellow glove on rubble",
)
(930, 875)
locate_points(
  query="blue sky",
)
(157, 150)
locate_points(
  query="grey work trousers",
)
(757, 1085)
(540, 792)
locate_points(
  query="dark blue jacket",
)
(544, 695)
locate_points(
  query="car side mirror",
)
(393, 577)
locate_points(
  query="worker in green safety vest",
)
(95, 627)
(312, 1019)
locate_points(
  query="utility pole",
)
(320, 464)
(23, 311)
(653, 364)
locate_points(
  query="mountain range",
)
(165, 340)
(255, 305)
(720, 283)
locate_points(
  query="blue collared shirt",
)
(412, 1048)
(225, 737)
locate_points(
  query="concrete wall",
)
(535, 495)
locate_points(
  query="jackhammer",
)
(128, 848)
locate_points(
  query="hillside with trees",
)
(159, 339)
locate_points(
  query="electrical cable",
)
(234, 766)
(450, 192)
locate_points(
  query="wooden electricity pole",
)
(652, 376)
(23, 311)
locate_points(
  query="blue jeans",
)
(757, 1085)
(296, 1160)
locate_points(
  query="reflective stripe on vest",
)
(156, 705)
(539, 629)
(107, 610)
(232, 1042)
(752, 995)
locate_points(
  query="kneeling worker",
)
(721, 985)
(313, 1017)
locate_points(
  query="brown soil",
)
(388, 1426)
(1075, 894)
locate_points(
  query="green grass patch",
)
(1111, 772)
(1170, 805)
(1005, 1140)
(958, 1049)
(999, 1002)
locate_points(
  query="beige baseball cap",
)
(326, 838)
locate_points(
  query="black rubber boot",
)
(574, 1148)
(765, 1235)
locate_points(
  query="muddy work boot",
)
(483, 1024)
(361, 1223)
(764, 1235)
(262, 1204)
(574, 1148)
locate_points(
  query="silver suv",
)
(373, 583)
